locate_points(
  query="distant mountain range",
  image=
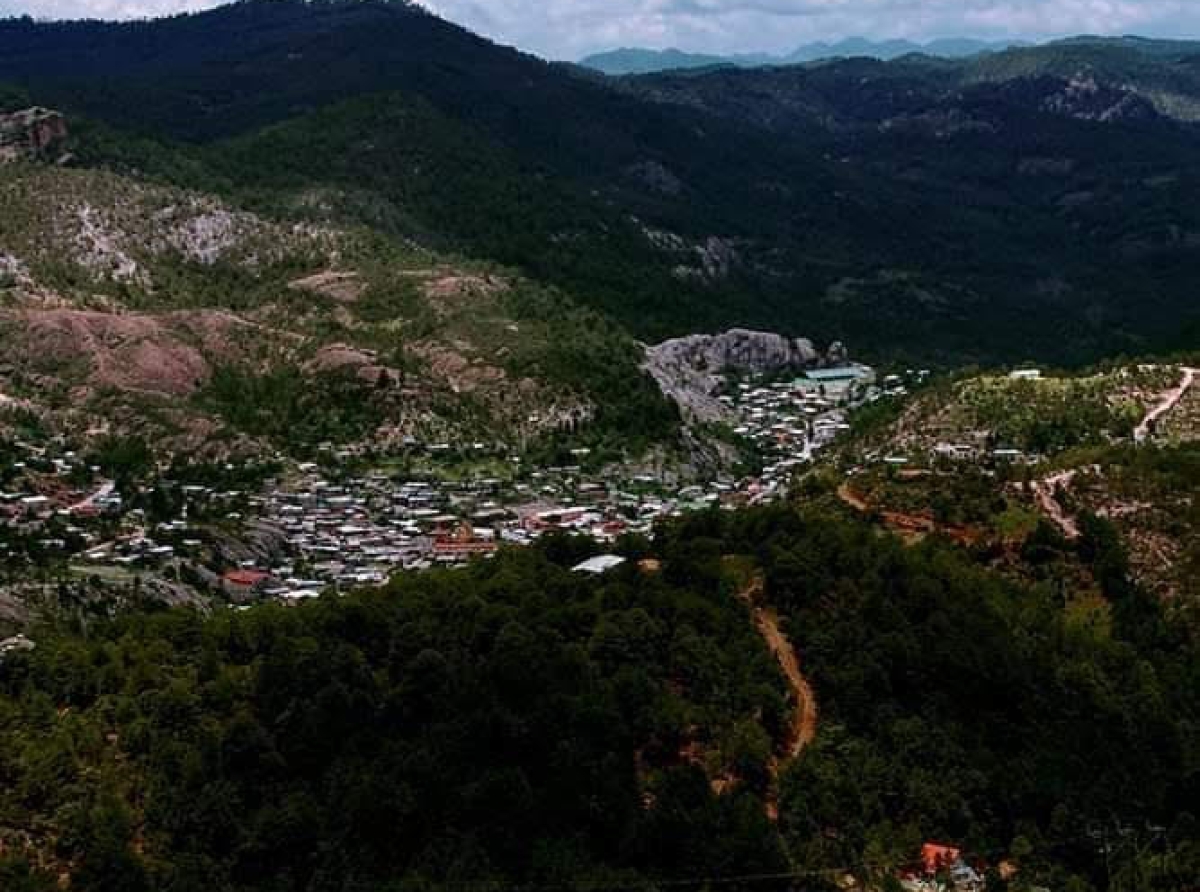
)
(636, 60)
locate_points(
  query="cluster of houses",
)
(357, 530)
(338, 530)
(41, 504)
(787, 421)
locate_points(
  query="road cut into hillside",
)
(803, 727)
(1169, 400)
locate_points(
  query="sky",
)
(569, 29)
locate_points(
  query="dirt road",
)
(106, 489)
(1044, 493)
(909, 526)
(1169, 401)
(847, 494)
(803, 727)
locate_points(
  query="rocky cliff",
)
(689, 369)
(30, 133)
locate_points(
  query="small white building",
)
(601, 563)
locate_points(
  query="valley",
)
(360, 512)
(425, 467)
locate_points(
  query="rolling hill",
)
(128, 307)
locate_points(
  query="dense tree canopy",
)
(517, 723)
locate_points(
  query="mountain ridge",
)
(639, 60)
(967, 210)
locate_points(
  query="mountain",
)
(642, 61)
(1164, 73)
(946, 210)
(944, 47)
(646, 61)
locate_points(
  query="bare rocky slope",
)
(30, 133)
(130, 307)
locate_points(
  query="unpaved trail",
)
(1044, 493)
(803, 727)
(909, 526)
(847, 494)
(1169, 401)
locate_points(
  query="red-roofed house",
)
(244, 582)
(936, 858)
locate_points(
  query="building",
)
(602, 563)
(839, 382)
(242, 583)
(461, 544)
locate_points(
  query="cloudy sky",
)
(567, 29)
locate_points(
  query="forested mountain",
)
(1036, 202)
(632, 60)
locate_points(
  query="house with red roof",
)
(243, 582)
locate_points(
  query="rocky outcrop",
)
(30, 133)
(689, 369)
(167, 355)
(1084, 98)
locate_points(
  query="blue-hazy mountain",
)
(636, 60)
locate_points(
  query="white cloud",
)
(569, 28)
(101, 9)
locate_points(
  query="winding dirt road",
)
(1045, 491)
(803, 727)
(1169, 400)
(847, 494)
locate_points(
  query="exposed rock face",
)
(29, 133)
(1083, 98)
(688, 369)
(168, 355)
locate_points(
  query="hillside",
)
(514, 724)
(128, 307)
(920, 208)
(1007, 463)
